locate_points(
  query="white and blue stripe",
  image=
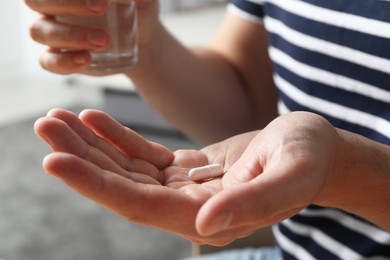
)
(331, 58)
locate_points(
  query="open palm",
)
(270, 175)
(136, 178)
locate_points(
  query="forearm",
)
(361, 184)
(195, 89)
(214, 92)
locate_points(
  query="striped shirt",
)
(331, 58)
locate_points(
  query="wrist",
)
(360, 182)
(150, 51)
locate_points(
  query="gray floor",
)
(42, 219)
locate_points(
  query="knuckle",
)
(43, 31)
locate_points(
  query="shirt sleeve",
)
(251, 10)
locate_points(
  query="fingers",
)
(157, 206)
(223, 238)
(256, 193)
(57, 35)
(189, 158)
(61, 137)
(65, 62)
(126, 140)
(85, 133)
(69, 7)
(150, 205)
(104, 187)
(263, 201)
(78, 41)
(240, 206)
(126, 163)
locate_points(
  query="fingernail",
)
(96, 5)
(98, 38)
(220, 222)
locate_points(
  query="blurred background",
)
(39, 217)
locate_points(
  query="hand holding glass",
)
(120, 21)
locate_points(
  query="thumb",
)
(261, 202)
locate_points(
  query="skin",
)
(296, 160)
(227, 67)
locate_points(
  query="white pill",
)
(206, 172)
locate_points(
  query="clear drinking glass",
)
(120, 22)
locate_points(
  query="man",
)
(331, 59)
